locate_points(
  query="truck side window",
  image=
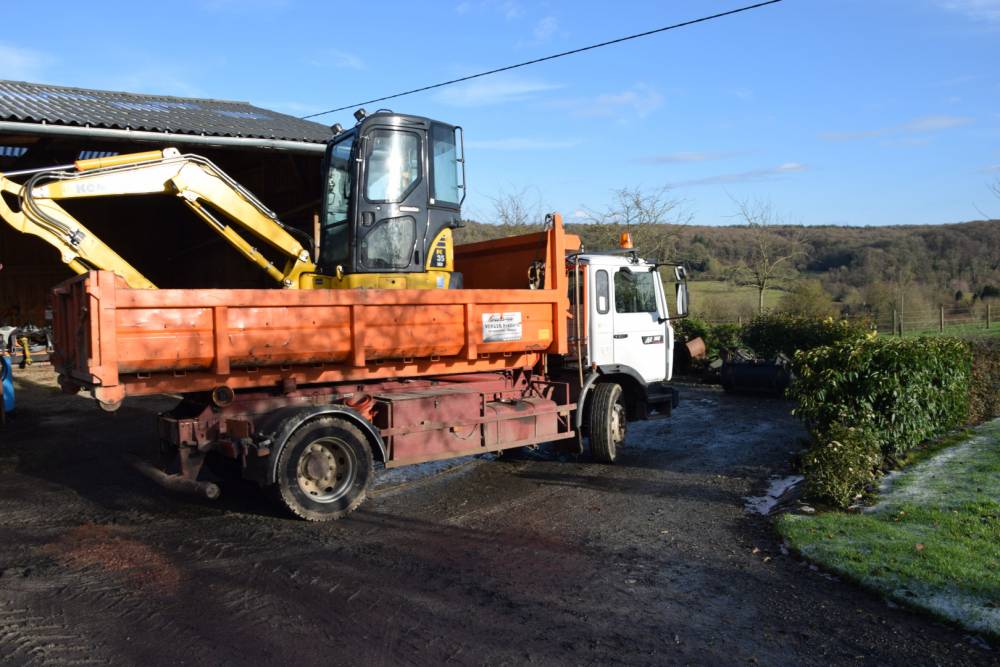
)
(634, 292)
(602, 292)
(393, 165)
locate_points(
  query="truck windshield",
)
(333, 246)
(634, 292)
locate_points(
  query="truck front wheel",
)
(607, 422)
(324, 470)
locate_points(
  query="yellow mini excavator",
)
(393, 189)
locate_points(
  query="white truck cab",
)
(622, 336)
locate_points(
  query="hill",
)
(862, 269)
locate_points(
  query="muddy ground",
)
(532, 560)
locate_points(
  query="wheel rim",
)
(326, 470)
(618, 423)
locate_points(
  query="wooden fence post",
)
(941, 321)
(893, 322)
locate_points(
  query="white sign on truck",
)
(500, 327)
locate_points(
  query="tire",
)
(607, 422)
(324, 470)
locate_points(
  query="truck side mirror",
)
(682, 300)
(680, 294)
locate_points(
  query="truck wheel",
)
(607, 422)
(324, 470)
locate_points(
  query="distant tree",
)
(651, 215)
(770, 257)
(516, 210)
(879, 299)
(807, 297)
(632, 206)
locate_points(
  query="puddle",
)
(778, 488)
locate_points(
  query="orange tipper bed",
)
(115, 341)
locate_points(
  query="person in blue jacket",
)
(7, 381)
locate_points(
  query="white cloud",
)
(917, 125)
(934, 123)
(21, 63)
(991, 169)
(509, 9)
(639, 100)
(499, 89)
(244, 5)
(979, 10)
(754, 175)
(521, 144)
(546, 28)
(151, 80)
(292, 108)
(337, 58)
(683, 157)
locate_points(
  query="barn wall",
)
(156, 233)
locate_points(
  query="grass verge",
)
(933, 539)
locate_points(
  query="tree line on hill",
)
(821, 269)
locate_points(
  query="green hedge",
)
(717, 337)
(769, 334)
(842, 464)
(907, 389)
(875, 399)
(984, 388)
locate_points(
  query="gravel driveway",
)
(650, 561)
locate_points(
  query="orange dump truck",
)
(305, 389)
(504, 344)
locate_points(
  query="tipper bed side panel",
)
(118, 341)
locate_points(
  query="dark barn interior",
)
(276, 157)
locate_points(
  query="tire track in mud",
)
(31, 637)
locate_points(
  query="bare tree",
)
(771, 254)
(636, 206)
(516, 209)
(650, 214)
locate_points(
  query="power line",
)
(552, 57)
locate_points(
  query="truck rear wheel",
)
(607, 422)
(324, 470)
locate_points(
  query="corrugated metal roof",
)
(57, 105)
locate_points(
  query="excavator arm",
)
(225, 205)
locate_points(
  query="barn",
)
(276, 156)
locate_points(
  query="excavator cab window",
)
(335, 239)
(446, 166)
(393, 165)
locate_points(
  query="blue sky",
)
(837, 111)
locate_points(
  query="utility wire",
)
(552, 57)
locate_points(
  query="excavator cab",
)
(393, 190)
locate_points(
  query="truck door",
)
(601, 346)
(640, 339)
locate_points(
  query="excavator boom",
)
(225, 205)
